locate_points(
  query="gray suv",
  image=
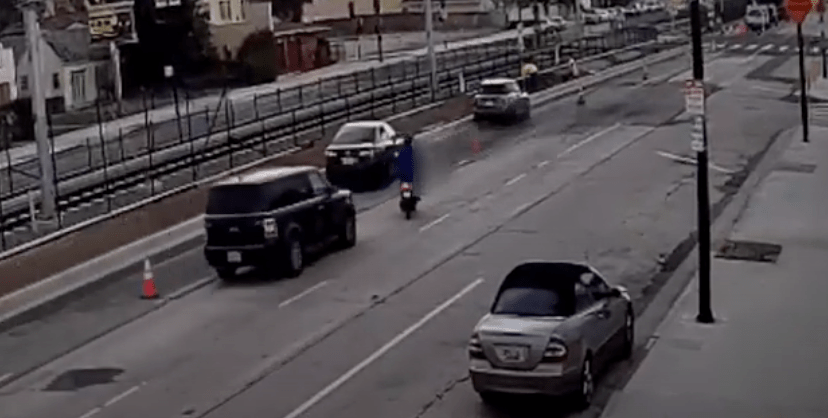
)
(501, 98)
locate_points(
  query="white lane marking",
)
(770, 89)
(650, 343)
(301, 409)
(751, 47)
(434, 222)
(515, 179)
(90, 413)
(589, 139)
(542, 163)
(783, 48)
(5, 377)
(304, 293)
(123, 395)
(518, 210)
(688, 160)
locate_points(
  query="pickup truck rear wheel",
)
(295, 255)
(226, 273)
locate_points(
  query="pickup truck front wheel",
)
(347, 234)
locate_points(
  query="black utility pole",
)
(377, 29)
(705, 314)
(803, 96)
(821, 8)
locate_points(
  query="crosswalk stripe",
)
(783, 48)
(736, 46)
(751, 47)
(767, 47)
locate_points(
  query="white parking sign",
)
(694, 97)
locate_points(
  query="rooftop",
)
(265, 175)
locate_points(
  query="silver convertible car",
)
(552, 325)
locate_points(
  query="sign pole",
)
(48, 201)
(803, 96)
(705, 314)
(821, 7)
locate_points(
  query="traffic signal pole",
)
(705, 314)
(803, 96)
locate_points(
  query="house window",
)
(56, 81)
(242, 10)
(24, 83)
(224, 10)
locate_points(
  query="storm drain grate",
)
(749, 251)
(76, 379)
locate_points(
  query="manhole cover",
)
(73, 380)
(749, 251)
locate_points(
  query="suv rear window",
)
(531, 301)
(240, 199)
(499, 88)
(352, 135)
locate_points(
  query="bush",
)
(257, 57)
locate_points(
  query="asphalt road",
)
(202, 121)
(137, 141)
(381, 329)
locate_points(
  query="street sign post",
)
(798, 10)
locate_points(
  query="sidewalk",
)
(765, 357)
(135, 122)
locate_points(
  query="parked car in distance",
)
(501, 98)
(551, 328)
(558, 23)
(273, 218)
(362, 152)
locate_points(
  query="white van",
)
(756, 17)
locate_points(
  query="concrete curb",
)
(660, 307)
(189, 234)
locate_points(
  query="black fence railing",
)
(113, 171)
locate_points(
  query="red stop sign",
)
(798, 9)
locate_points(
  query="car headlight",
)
(330, 153)
(475, 349)
(366, 153)
(555, 350)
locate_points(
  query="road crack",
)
(441, 394)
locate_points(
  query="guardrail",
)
(177, 163)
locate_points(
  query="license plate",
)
(512, 353)
(233, 257)
(406, 195)
(349, 160)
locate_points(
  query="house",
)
(8, 86)
(231, 21)
(320, 10)
(70, 77)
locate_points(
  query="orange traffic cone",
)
(148, 290)
(475, 146)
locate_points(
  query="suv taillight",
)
(405, 187)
